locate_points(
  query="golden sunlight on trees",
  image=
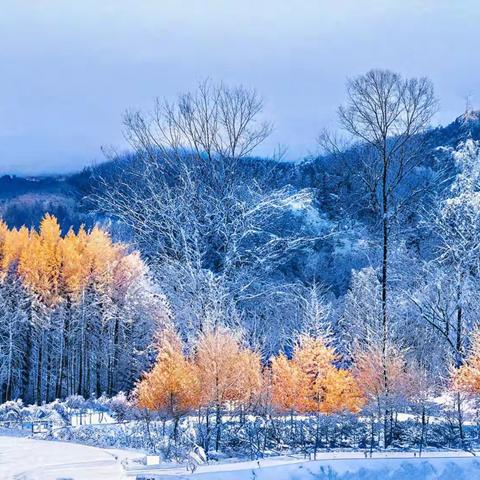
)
(311, 383)
(227, 371)
(52, 266)
(171, 387)
(288, 384)
(86, 312)
(369, 372)
(221, 373)
(223, 378)
(371, 366)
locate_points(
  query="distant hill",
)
(24, 200)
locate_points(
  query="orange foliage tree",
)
(52, 266)
(288, 384)
(371, 366)
(171, 387)
(228, 372)
(220, 374)
(369, 372)
(311, 383)
(467, 378)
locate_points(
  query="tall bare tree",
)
(386, 114)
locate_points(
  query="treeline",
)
(222, 376)
(223, 382)
(395, 222)
(77, 313)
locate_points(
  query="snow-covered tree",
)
(210, 232)
(79, 313)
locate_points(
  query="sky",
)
(69, 69)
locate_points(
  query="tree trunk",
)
(317, 432)
(207, 431)
(292, 429)
(460, 419)
(8, 386)
(218, 425)
(175, 430)
(372, 434)
(38, 393)
(422, 433)
(385, 232)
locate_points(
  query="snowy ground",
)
(338, 466)
(31, 459)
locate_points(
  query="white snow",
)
(32, 459)
(339, 466)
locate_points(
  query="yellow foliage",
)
(372, 367)
(227, 370)
(289, 384)
(311, 383)
(172, 386)
(341, 392)
(467, 377)
(75, 269)
(55, 267)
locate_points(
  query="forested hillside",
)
(337, 202)
(343, 282)
(335, 184)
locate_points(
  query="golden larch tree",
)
(311, 383)
(75, 269)
(171, 387)
(289, 385)
(228, 372)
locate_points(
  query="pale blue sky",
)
(70, 68)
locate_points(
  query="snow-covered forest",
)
(251, 305)
(78, 313)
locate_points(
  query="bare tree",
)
(387, 114)
(193, 209)
(454, 224)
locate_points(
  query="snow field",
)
(32, 459)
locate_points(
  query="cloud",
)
(69, 69)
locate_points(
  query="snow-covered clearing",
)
(32, 459)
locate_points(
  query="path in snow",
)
(31, 459)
